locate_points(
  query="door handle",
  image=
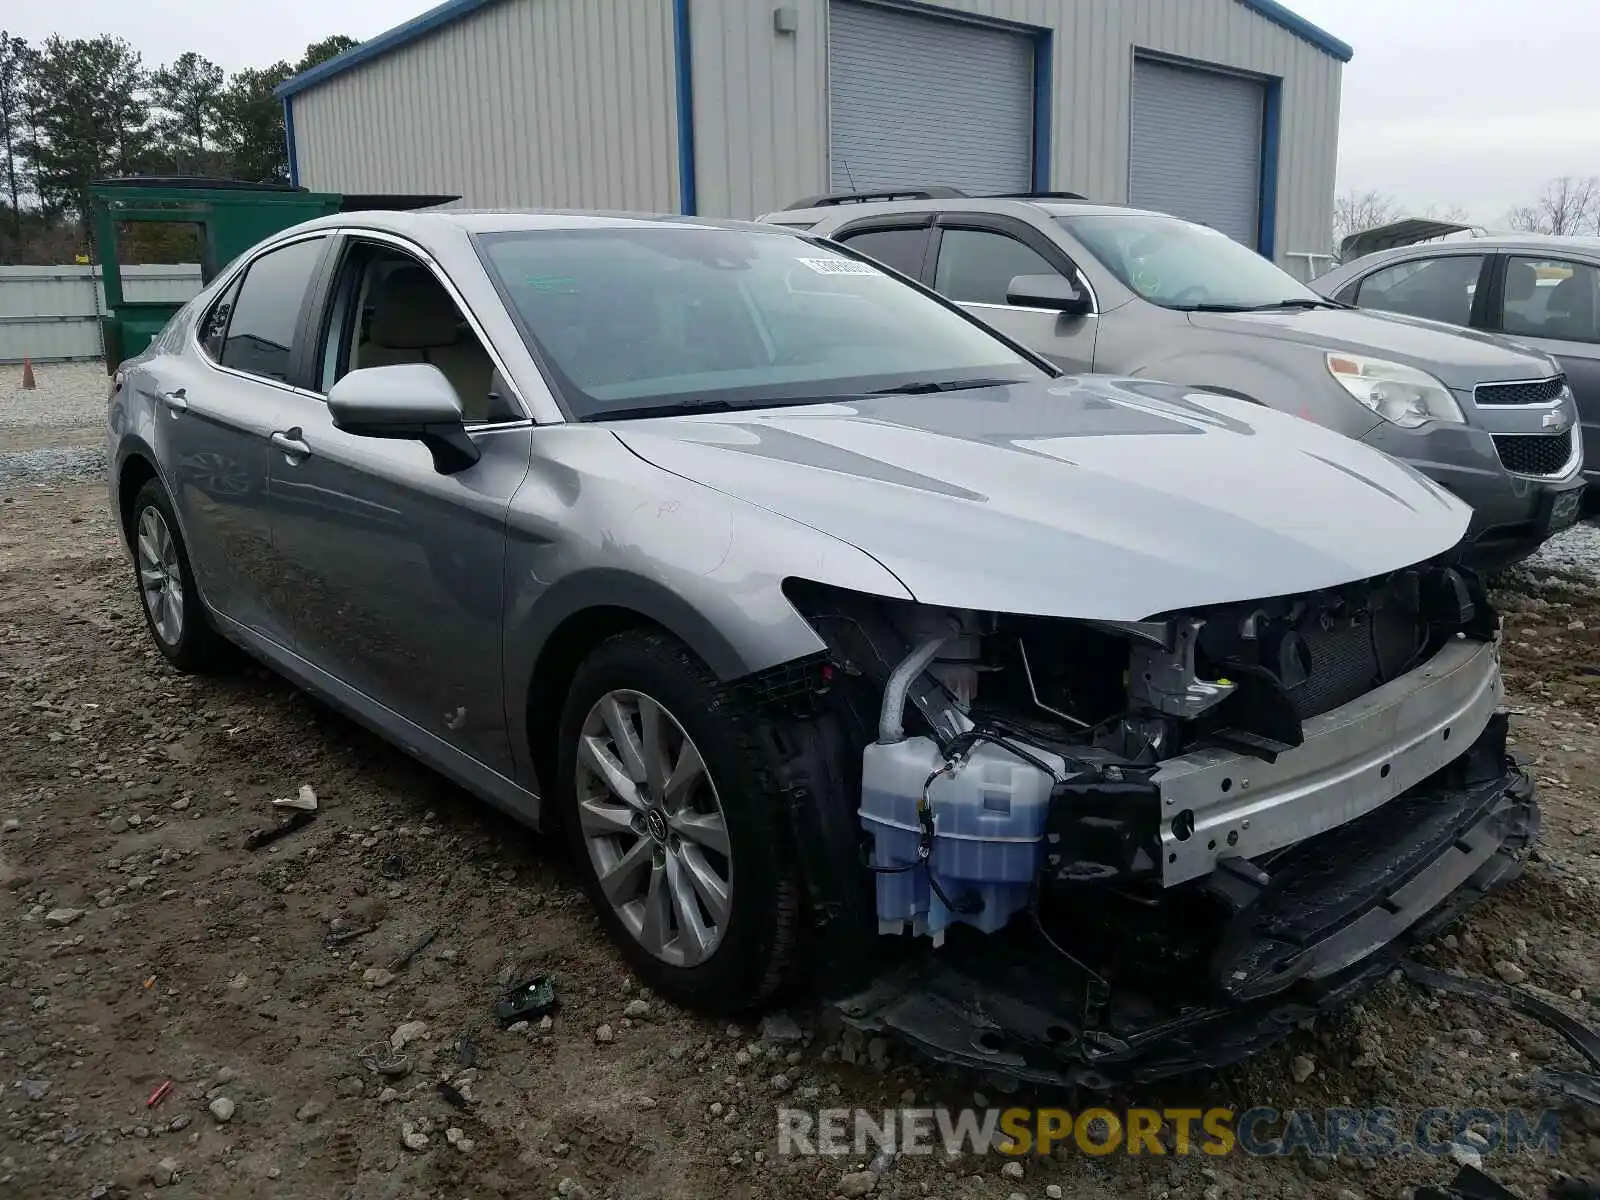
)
(176, 401)
(289, 442)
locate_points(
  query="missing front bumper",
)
(1326, 922)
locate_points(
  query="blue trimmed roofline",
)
(435, 18)
(454, 10)
(1301, 28)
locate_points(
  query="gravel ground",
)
(1575, 550)
(67, 395)
(141, 943)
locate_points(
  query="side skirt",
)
(483, 782)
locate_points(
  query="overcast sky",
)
(1469, 102)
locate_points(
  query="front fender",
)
(1246, 373)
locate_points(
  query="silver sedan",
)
(839, 635)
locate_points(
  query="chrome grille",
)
(1540, 391)
(1535, 453)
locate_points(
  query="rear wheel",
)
(674, 827)
(173, 613)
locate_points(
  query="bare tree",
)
(1570, 204)
(1448, 212)
(1355, 211)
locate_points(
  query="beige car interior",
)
(414, 320)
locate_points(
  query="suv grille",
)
(1541, 392)
(1535, 453)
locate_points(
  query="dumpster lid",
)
(208, 182)
(393, 202)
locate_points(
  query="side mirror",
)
(1047, 291)
(410, 401)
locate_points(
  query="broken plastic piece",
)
(1469, 1184)
(527, 1001)
(305, 800)
(381, 1060)
(160, 1094)
(1582, 1039)
(1577, 1085)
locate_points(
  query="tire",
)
(164, 584)
(755, 945)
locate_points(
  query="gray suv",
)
(1119, 290)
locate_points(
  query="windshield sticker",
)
(839, 266)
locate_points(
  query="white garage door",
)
(921, 100)
(1196, 147)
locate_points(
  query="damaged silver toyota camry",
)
(1075, 728)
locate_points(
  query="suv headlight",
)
(1397, 393)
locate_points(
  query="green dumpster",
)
(231, 216)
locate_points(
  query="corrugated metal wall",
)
(573, 103)
(52, 313)
(760, 113)
(553, 103)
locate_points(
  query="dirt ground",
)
(260, 978)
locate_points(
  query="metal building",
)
(1223, 111)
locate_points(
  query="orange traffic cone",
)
(27, 375)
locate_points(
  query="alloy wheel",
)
(654, 827)
(160, 575)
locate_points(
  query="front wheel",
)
(674, 826)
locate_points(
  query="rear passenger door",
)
(975, 257)
(219, 403)
(397, 569)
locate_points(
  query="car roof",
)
(1536, 243)
(1000, 205)
(510, 220)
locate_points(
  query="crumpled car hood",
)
(1088, 497)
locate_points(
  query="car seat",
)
(415, 321)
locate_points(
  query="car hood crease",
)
(1090, 498)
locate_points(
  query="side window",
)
(1551, 298)
(390, 309)
(977, 265)
(1439, 289)
(260, 330)
(901, 249)
(214, 325)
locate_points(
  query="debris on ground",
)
(265, 837)
(305, 800)
(528, 1001)
(402, 960)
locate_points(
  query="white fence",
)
(52, 314)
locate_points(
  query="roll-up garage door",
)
(1195, 146)
(923, 100)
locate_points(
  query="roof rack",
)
(932, 192)
(1037, 196)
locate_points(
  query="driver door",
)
(975, 259)
(396, 568)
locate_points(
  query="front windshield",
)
(1177, 264)
(632, 318)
